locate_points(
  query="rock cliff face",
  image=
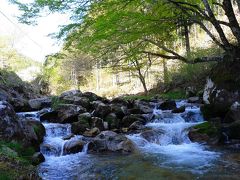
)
(222, 97)
(15, 91)
(27, 131)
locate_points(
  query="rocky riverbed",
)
(82, 135)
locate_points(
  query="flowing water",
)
(168, 154)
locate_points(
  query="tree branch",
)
(217, 26)
(234, 26)
(159, 45)
(194, 61)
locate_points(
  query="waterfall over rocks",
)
(163, 142)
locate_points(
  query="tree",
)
(137, 65)
(67, 69)
(101, 27)
(11, 59)
(151, 16)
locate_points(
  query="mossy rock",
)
(86, 119)
(14, 154)
(211, 111)
(207, 128)
(226, 75)
(16, 150)
(56, 102)
(112, 120)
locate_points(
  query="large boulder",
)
(98, 123)
(112, 120)
(232, 115)
(38, 128)
(137, 125)
(152, 135)
(207, 132)
(71, 93)
(91, 96)
(144, 107)
(109, 141)
(86, 118)
(40, 103)
(179, 110)
(27, 131)
(222, 89)
(119, 101)
(119, 110)
(194, 99)
(196, 136)
(73, 146)
(50, 150)
(84, 122)
(130, 119)
(37, 158)
(10, 126)
(82, 101)
(232, 130)
(51, 116)
(92, 132)
(168, 105)
(79, 127)
(68, 113)
(20, 104)
(34, 133)
(102, 110)
(4, 95)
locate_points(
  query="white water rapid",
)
(168, 147)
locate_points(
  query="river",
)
(167, 154)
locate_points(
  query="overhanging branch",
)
(193, 61)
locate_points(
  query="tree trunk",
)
(142, 80)
(217, 26)
(97, 78)
(238, 4)
(187, 41)
(227, 6)
(165, 72)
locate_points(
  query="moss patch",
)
(206, 128)
(174, 95)
(56, 101)
(16, 151)
(15, 161)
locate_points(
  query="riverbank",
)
(87, 128)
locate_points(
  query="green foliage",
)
(173, 95)
(187, 75)
(12, 59)
(125, 35)
(23, 154)
(66, 70)
(4, 175)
